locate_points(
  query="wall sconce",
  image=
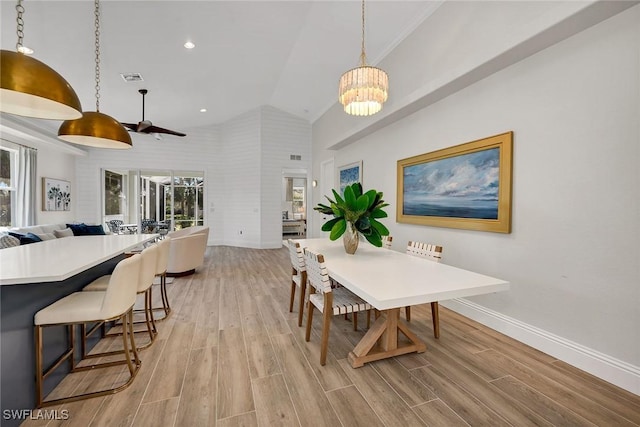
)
(314, 183)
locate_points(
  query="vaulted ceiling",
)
(288, 54)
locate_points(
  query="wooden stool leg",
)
(39, 373)
(436, 319)
(407, 312)
(355, 320)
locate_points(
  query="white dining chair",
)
(328, 300)
(298, 277)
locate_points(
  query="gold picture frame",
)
(467, 186)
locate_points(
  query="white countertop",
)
(390, 279)
(58, 259)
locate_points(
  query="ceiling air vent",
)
(131, 77)
(295, 157)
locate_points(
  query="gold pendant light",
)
(96, 129)
(364, 89)
(31, 88)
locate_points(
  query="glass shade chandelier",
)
(364, 89)
(95, 129)
(31, 88)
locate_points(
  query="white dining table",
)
(391, 280)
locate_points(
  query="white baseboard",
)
(618, 372)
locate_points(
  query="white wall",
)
(573, 256)
(242, 160)
(199, 151)
(282, 135)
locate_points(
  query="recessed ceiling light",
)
(189, 45)
(25, 50)
(203, 110)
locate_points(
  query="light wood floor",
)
(232, 355)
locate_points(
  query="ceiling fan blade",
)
(156, 129)
(130, 126)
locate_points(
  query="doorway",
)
(294, 205)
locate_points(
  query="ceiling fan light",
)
(95, 129)
(31, 88)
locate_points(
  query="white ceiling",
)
(288, 54)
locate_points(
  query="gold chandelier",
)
(31, 88)
(364, 89)
(94, 128)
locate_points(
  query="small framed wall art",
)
(56, 195)
(349, 174)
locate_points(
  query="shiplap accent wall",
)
(241, 206)
(282, 135)
(199, 151)
(242, 161)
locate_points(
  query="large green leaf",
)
(379, 227)
(362, 203)
(371, 195)
(338, 229)
(336, 210)
(339, 199)
(327, 226)
(323, 209)
(357, 189)
(349, 198)
(374, 238)
(378, 213)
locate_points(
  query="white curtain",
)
(26, 188)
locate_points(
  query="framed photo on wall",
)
(349, 174)
(466, 186)
(56, 195)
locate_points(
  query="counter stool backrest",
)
(425, 250)
(386, 241)
(163, 255)
(148, 268)
(317, 273)
(297, 256)
(121, 292)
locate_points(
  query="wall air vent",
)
(295, 157)
(131, 77)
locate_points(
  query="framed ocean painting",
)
(349, 174)
(466, 186)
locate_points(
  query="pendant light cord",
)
(20, 25)
(97, 34)
(363, 56)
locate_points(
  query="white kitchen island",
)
(31, 278)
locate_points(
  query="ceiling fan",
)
(145, 126)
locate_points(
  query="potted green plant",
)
(354, 214)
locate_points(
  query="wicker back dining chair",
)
(432, 253)
(298, 276)
(329, 300)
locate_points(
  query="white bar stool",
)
(161, 271)
(145, 279)
(115, 303)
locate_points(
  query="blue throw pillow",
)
(16, 235)
(28, 238)
(78, 229)
(94, 230)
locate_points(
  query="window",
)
(8, 174)
(113, 191)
